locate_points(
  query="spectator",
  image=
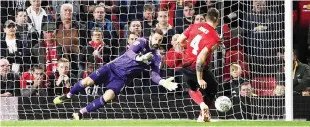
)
(25, 31)
(246, 90)
(199, 19)
(97, 49)
(9, 80)
(259, 25)
(168, 30)
(71, 35)
(109, 31)
(174, 56)
(62, 79)
(125, 43)
(37, 15)
(56, 4)
(135, 27)
(183, 22)
(149, 21)
(89, 7)
(34, 82)
(306, 92)
(231, 86)
(48, 51)
(13, 50)
(301, 79)
(279, 90)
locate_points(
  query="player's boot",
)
(205, 113)
(61, 99)
(200, 118)
(77, 116)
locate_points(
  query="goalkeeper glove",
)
(168, 84)
(144, 58)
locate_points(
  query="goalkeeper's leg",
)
(114, 88)
(100, 76)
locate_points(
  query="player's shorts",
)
(190, 79)
(105, 75)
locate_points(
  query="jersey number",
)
(195, 44)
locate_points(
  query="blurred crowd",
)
(47, 46)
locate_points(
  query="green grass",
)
(150, 123)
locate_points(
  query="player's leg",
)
(193, 86)
(114, 88)
(98, 77)
(212, 88)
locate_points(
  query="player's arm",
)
(167, 83)
(200, 63)
(134, 51)
(181, 39)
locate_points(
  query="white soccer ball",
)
(223, 104)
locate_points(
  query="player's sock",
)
(196, 96)
(94, 105)
(76, 89)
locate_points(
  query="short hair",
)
(66, 5)
(133, 21)
(235, 66)
(63, 60)
(159, 31)
(189, 4)
(129, 32)
(162, 9)
(37, 67)
(20, 10)
(96, 29)
(213, 15)
(148, 7)
(98, 6)
(245, 84)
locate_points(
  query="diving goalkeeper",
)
(141, 55)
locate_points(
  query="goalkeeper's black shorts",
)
(190, 79)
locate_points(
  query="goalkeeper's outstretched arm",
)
(167, 83)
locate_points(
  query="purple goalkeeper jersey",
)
(126, 64)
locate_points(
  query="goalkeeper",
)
(141, 55)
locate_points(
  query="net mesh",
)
(250, 39)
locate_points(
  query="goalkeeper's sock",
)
(94, 105)
(196, 96)
(75, 89)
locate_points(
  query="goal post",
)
(288, 57)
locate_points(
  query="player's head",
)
(156, 38)
(132, 37)
(213, 17)
(63, 66)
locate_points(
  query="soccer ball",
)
(223, 104)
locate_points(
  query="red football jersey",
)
(199, 36)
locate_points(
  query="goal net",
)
(252, 38)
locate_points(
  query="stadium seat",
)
(233, 43)
(264, 86)
(234, 56)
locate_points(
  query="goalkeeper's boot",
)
(77, 116)
(205, 113)
(61, 99)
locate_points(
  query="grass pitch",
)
(150, 123)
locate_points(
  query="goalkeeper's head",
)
(213, 17)
(156, 38)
